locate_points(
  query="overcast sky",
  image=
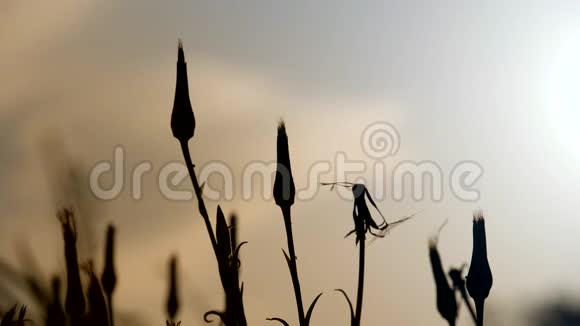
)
(494, 83)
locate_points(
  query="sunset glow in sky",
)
(492, 82)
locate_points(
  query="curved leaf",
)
(237, 250)
(280, 320)
(311, 308)
(220, 315)
(352, 316)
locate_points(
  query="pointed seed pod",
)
(172, 298)
(479, 278)
(109, 277)
(182, 118)
(284, 190)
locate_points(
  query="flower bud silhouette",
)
(479, 279)
(284, 191)
(172, 300)
(182, 118)
(109, 277)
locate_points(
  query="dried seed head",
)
(172, 300)
(479, 278)
(182, 118)
(284, 190)
(446, 302)
(109, 277)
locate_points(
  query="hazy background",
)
(492, 82)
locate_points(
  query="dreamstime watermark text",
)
(379, 141)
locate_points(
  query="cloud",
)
(27, 24)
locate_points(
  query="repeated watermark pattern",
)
(380, 141)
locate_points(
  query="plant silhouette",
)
(89, 292)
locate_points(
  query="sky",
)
(461, 81)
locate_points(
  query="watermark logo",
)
(379, 141)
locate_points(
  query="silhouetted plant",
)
(98, 314)
(109, 276)
(183, 127)
(456, 275)
(284, 192)
(363, 223)
(11, 319)
(172, 297)
(55, 315)
(446, 301)
(479, 279)
(75, 298)
(93, 306)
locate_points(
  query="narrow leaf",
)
(282, 321)
(349, 303)
(287, 259)
(311, 309)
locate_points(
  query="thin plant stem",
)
(110, 303)
(292, 265)
(240, 318)
(361, 282)
(198, 194)
(468, 304)
(479, 308)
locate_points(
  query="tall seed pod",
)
(479, 278)
(182, 118)
(109, 277)
(172, 297)
(284, 190)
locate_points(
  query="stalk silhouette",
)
(75, 298)
(479, 278)
(284, 193)
(456, 275)
(446, 301)
(363, 223)
(183, 128)
(109, 276)
(172, 298)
